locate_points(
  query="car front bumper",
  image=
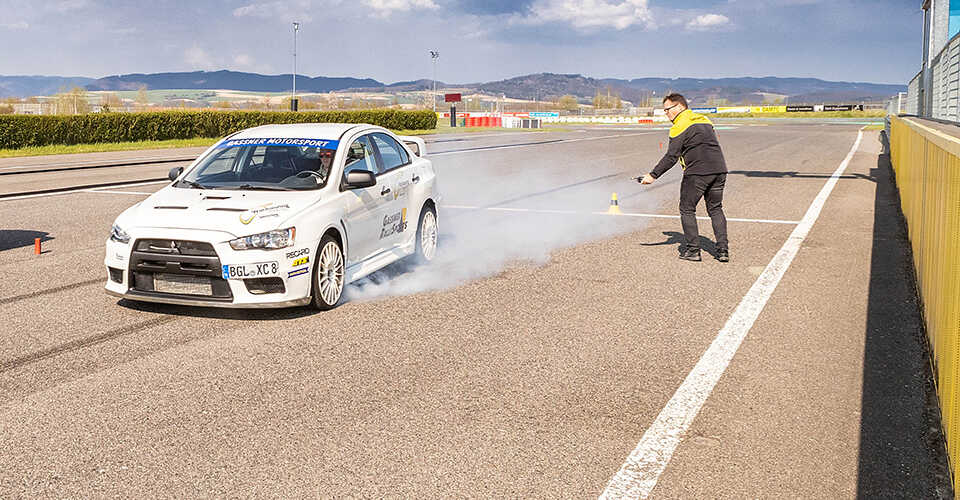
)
(137, 270)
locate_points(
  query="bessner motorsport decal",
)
(280, 141)
(263, 211)
(393, 224)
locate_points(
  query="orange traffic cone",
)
(614, 205)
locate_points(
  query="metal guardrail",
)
(927, 167)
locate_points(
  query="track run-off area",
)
(553, 350)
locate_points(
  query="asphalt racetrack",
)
(531, 360)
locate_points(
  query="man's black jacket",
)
(693, 142)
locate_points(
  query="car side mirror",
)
(357, 179)
(174, 173)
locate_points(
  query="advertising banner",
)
(837, 107)
(799, 109)
(733, 109)
(768, 109)
(544, 114)
(704, 111)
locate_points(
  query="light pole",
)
(434, 55)
(293, 100)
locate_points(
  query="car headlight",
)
(119, 235)
(278, 238)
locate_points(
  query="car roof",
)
(299, 131)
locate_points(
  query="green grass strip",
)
(60, 149)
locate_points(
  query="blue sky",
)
(851, 40)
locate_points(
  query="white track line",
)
(82, 190)
(117, 192)
(131, 162)
(639, 474)
(511, 146)
(625, 214)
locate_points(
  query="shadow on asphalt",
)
(379, 277)
(676, 238)
(902, 450)
(18, 238)
(218, 313)
(796, 175)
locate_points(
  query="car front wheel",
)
(328, 274)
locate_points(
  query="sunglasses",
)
(671, 107)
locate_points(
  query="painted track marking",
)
(118, 192)
(82, 190)
(529, 145)
(640, 472)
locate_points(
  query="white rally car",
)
(277, 216)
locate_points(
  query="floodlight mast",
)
(293, 100)
(435, 54)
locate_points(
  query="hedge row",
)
(18, 131)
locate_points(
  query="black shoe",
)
(693, 255)
(723, 255)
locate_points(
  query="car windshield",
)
(264, 164)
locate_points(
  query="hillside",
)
(26, 86)
(544, 86)
(233, 80)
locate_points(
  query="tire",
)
(428, 231)
(328, 274)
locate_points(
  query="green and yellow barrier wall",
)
(927, 166)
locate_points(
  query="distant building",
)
(32, 108)
(933, 92)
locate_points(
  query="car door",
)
(398, 227)
(366, 207)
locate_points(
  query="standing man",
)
(694, 142)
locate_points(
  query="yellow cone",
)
(614, 205)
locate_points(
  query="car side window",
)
(391, 153)
(361, 156)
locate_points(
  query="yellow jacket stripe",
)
(684, 120)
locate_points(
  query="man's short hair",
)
(676, 98)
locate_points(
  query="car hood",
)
(239, 213)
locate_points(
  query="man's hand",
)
(646, 179)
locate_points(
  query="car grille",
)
(189, 269)
(176, 247)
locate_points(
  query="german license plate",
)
(245, 271)
(182, 284)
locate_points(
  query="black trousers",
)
(710, 188)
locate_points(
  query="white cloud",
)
(20, 25)
(708, 22)
(126, 31)
(586, 14)
(386, 7)
(70, 5)
(196, 57)
(285, 10)
(243, 60)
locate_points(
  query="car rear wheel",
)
(427, 235)
(328, 274)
